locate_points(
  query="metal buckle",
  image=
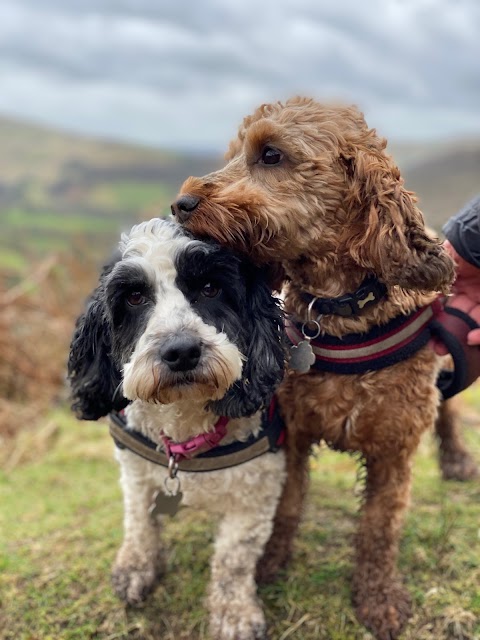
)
(346, 306)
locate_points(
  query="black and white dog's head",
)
(177, 318)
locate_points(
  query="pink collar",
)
(199, 444)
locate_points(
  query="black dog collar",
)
(369, 293)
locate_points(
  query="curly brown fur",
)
(331, 211)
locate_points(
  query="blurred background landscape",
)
(71, 194)
(65, 198)
(106, 106)
(65, 193)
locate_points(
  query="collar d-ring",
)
(310, 321)
(172, 467)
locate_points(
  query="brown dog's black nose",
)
(184, 207)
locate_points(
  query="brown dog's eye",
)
(270, 155)
(135, 298)
(210, 290)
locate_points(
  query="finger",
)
(475, 314)
(473, 337)
(462, 302)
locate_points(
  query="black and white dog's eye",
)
(135, 298)
(210, 290)
(271, 155)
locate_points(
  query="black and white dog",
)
(189, 333)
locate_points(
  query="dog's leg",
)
(289, 511)
(139, 561)
(235, 612)
(382, 603)
(455, 461)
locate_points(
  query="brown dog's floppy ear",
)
(386, 233)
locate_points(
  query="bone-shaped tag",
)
(302, 357)
(369, 298)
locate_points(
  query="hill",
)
(60, 191)
(445, 181)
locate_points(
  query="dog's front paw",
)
(384, 611)
(135, 576)
(237, 621)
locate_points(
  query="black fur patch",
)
(127, 322)
(93, 376)
(245, 310)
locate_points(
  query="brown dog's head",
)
(307, 179)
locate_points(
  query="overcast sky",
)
(184, 73)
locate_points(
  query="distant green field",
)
(28, 236)
(55, 222)
(12, 260)
(132, 196)
(59, 190)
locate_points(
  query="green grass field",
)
(61, 523)
(29, 236)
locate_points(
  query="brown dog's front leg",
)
(278, 549)
(382, 603)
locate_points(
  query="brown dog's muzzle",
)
(184, 206)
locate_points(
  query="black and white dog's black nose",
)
(184, 206)
(181, 353)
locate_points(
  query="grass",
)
(61, 523)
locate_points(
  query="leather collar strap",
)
(269, 439)
(381, 347)
(369, 293)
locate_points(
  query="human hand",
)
(465, 296)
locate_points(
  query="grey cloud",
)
(214, 59)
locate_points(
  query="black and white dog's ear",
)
(265, 351)
(94, 378)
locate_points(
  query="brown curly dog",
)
(310, 188)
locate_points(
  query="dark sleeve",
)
(463, 232)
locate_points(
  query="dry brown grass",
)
(36, 322)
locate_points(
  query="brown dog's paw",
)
(134, 578)
(277, 554)
(458, 465)
(237, 621)
(268, 568)
(385, 611)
